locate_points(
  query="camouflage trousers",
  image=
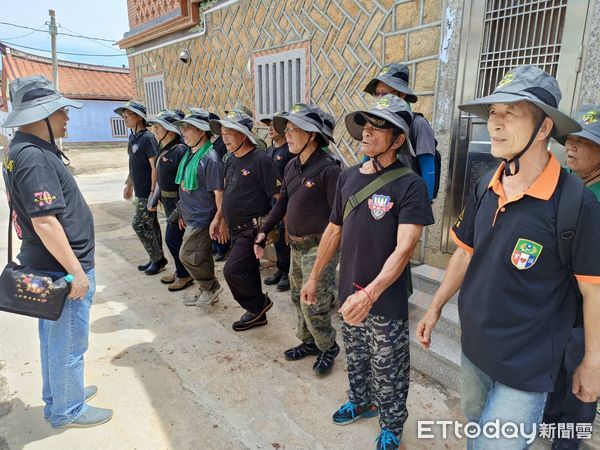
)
(145, 224)
(379, 368)
(314, 321)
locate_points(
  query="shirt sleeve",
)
(422, 136)
(586, 245)
(150, 146)
(337, 209)
(463, 231)
(269, 177)
(214, 174)
(330, 180)
(415, 206)
(37, 184)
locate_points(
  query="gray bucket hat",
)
(168, 119)
(240, 108)
(390, 108)
(34, 98)
(396, 76)
(135, 107)
(235, 120)
(328, 125)
(588, 117)
(306, 117)
(199, 118)
(531, 84)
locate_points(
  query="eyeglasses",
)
(290, 130)
(66, 111)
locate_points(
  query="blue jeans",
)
(62, 345)
(485, 400)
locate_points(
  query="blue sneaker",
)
(92, 417)
(89, 392)
(387, 440)
(350, 412)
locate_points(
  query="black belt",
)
(252, 223)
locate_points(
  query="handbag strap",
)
(10, 201)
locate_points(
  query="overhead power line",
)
(66, 53)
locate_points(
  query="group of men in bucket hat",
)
(518, 303)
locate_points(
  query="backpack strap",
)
(311, 172)
(387, 177)
(567, 216)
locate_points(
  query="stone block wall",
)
(349, 41)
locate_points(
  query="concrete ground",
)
(179, 377)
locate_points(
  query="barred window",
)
(154, 87)
(117, 125)
(279, 81)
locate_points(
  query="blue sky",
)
(105, 19)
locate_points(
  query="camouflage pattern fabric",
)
(314, 321)
(145, 224)
(379, 368)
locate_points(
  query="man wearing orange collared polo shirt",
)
(517, 303)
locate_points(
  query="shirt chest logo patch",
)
(279, 157)
(526, 253)
(134, 148)
(245, 172)
(379, 205)
(309, 184)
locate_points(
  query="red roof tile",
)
(78, 81)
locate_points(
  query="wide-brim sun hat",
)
(238, 121)
(135, 107)
(396, 76)
(588, 117)
(390, 108)
(167, 119)
(531, 84)
(33, 99)
(198, 118)
(306, 117)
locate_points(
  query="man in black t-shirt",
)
(250, 184)
(373, 269)
(172, 150)
(56, 227)
(279, 152)
(143, 151)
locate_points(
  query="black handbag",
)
(30, 292)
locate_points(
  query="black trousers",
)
(283, 251)
(174, 236)
(242, 271)
(562, 406)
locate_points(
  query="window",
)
(155, 94)
(521, 33)
(279, 81)
(117, 125)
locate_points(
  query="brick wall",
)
(349, 41)
(142, 11)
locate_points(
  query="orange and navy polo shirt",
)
(517, 303)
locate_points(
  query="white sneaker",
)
(209, 297)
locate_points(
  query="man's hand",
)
(426, 325)
(259, 250)
(308, 294)
(356, 308)
(181, 223)
(151, 208)
(79, 286)
(223, 232)
(586, 381)
(128, 192)
(213, 229)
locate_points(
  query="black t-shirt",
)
(142, 146)
(168, 162)
(281, 156)
(369, 233)
(307, 199)
(517, 304)
(250, 183)
(43, 186)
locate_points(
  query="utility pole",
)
(53, 32)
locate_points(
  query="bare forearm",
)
(330, 242)
(219, 203)
(153, 178)
(393, 267)
(53, 236)
(453, 279)
(591, 318)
